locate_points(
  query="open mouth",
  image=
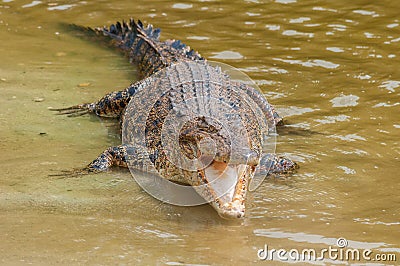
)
(225, 187)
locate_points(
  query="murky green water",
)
(330, 67)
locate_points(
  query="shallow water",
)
(330, 68)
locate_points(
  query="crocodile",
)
(175, 78)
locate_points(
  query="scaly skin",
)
(173, 74)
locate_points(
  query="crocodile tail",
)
(143, 46)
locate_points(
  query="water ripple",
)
(252, 14)
(388, 104)
(273, 27)
(355, 151)
(366, 13)
(285, 1)
(294, 110)
(227, 55)
(299, 20)
(333, 119)
(348, 137)
(338, 27)
(395, 40)
(345, 101)
(368, 221)
(155, 232)
(199, 38)
(33, 3)
(61, 7)
(371, 35)
(390, 85)
(310, 63)
(392, 25)
(362, 77)
(347, 170)
(335, 49)
(297, 33)
(273, 94)
(182, 6)
(320, 8)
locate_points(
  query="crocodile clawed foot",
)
(76, 110)
(75, 173)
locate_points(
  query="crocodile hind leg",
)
(116, 156)
(121, 156)
(274, 165)
(111, 105)
(113, 156)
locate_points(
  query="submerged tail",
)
(143, 46)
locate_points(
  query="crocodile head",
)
(223, 172)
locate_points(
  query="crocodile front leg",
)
(274, 165)
(111, 105)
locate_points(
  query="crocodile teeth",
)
(228, 183)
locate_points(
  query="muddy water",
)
(330, 67)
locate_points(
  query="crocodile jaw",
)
(225, 188)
